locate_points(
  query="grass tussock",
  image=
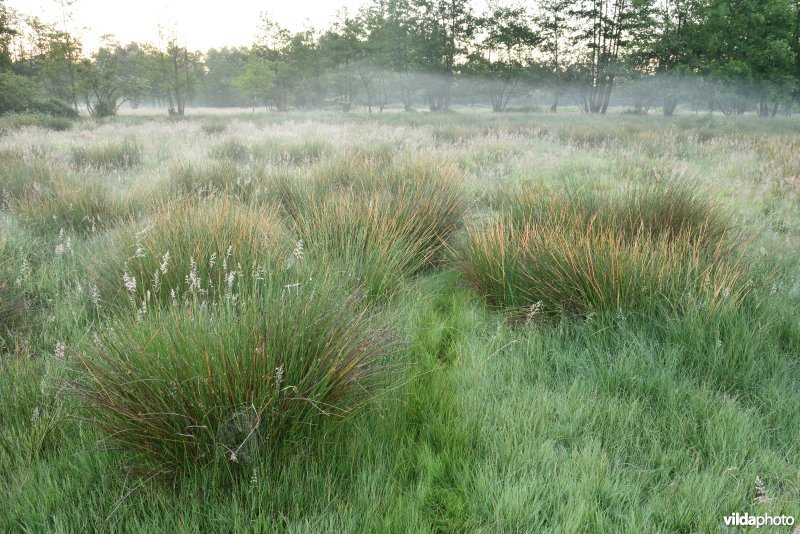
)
(357, 239)
(232, 150)
(425, 198)
(111, 155)
(195, 179)
(576, 256)
(76, 208)
(189, 248)
(296, 153)
(24, 176)
(213, 127)
(13, 301)
(651, 210)
(237, 384)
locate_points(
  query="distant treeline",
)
(731, 56)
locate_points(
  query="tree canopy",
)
(732, 56)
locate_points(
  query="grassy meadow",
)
(462, 322)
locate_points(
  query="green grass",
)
(659, 395)
(108, 156)
(234, 380)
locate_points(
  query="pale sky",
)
(201, 25)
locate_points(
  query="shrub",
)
(54, 108)
(189, 248)
(194, 385)
(15, 92)
(108, 156)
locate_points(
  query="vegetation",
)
(719, 55)
(407, 322)
(234, 381)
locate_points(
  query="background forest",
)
(730, 56)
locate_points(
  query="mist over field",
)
(428, 266)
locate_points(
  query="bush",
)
(565, 265)
(108, 156)
(15, 93)
(234, 383)
(189, 248)
(54, 108)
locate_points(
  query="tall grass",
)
(110, 155)
(17, 305)
(194, 179)
(359, 239)
(425, 198)
(236, 383)
(305, 151)
(24, 176)
(189, 248)
(230, 150)
(580, 254)
(650, 210)
(76, 207)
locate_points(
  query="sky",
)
(201, 25)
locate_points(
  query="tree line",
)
(731, 56)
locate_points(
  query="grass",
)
(187, 248)
(83, 208)
(654, 251)
(654, 389)
(247, 375)
(114, 155)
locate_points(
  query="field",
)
(462, 322)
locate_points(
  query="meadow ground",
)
(464, 322)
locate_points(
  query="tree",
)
(102, 83)
(69, 47)
(216, 81)
(604, 31)
(444, 29)
(6, 33)
(748, 54)
(257, 80)
(553, 28)
(506, 51)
